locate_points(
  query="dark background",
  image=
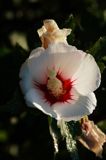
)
(24, 132)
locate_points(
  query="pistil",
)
(54, 85)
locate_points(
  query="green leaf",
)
(3, 136)
(15, 106)
(71, 23)
(102, 125)
(99, 49)
(104, 58)
(4, 51)
(101, 66)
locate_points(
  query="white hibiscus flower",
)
(59, 79)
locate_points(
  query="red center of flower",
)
(56, 88)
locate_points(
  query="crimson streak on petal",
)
(66, 95)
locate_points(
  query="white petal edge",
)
(84, 105)
(36, 52)
(25, 76)
(26, 81)
(35, 97)
(88, 76)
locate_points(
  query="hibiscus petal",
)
(36, 52)
(84, 105)
(35, 97)
(25, 75)
(62, 57)
(26, 81)
(60, 48)
(88, 76)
